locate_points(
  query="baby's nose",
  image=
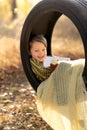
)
(40, 53)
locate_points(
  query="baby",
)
(38, 52)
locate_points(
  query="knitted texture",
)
(38, 69)
(62, 98)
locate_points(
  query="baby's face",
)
(38, 51)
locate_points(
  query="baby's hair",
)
(39, 38)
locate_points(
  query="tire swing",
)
(42, 19)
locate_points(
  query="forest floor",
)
(18, 109)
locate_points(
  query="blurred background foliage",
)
(66, 40)
(12, 8)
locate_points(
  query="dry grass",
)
(66, 40)
(68, 48)
(9, 52)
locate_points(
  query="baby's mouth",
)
(41, 57)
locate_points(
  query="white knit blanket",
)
(62, 98)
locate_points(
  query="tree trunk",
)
(13, 9)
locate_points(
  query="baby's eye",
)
(36, 50)
(43, 49)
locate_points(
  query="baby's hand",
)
(54, 63)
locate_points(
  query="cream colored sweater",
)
(62, 98)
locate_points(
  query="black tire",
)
(41, 20)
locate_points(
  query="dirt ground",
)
(18, 109)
